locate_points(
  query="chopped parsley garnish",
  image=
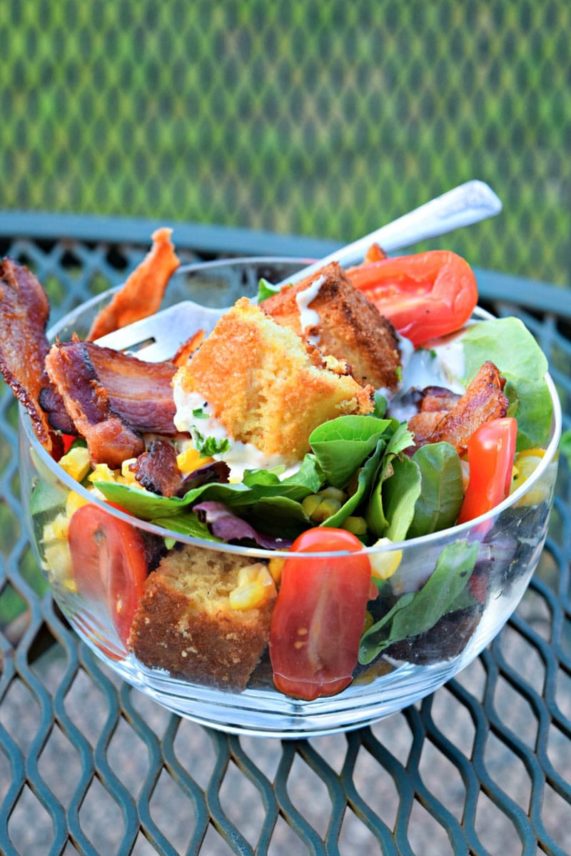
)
(266, 289)
(199, 413)
(398, 372)
(209, 446)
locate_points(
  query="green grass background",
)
(321, 118)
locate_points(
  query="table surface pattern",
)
(89, 765)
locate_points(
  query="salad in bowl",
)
(306, 518)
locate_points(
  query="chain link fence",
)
(317, 118)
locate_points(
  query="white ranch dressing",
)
(441, 365)
(240, 456)
(309, 318)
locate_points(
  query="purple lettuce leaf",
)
(219, 472)
(231, 528)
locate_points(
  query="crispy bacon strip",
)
(24, 311)
(143, 291)
(437, 398)
(483, 401)
(156, 469)
(140, 393)
(111, 397)
(109, 440)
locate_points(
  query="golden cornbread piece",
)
(262, 383)
(185, 622)
(349, 326)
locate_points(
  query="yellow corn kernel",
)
(102, 473)
(73, 502)
(76, 463)
(255, 587)
(56, 530)
(275, 567)
(384, 565)
(57, 561)
(191, 460)
(525, 464)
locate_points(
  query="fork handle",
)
(466, 204)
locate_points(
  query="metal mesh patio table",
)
(89, 765)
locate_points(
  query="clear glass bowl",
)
(510, 540)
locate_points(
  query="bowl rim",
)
(258, 552)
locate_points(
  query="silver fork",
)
(158, 337)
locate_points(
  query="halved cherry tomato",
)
(491, 451)
(424, 295)
(108, 560)
(319, 615)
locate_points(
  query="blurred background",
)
(322, 119)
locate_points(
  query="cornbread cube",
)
(265, 385)
(185, 622)
(348, 326)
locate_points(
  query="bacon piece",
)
(437, 398)
(109, 440)
(483, 401)
(188, 348)
(111, 397)
(143, 291)
(156, 469)
(52, 403)
(423, 426)
(24, 311)
(140, 393)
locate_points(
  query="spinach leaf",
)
(186, 524)
(440, 498)
(417, 612)
(508, 344)
(400, 495)
(257, 485)
(341, 445)
(365, 478)
(147, 505)
(279, 516)
(376, 517)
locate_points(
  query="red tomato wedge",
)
(108, 560)
(491, 451)
(424, 295)
(319, 615)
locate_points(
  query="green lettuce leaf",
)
(416, 612)
(400, 494)
(257, 485)
(186, 524)
(442, 491)
(376, 516)
(365, 478)
(341, 445)
(508, 344)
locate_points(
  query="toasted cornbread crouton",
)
(185, 622)
(265, 385)
(342, 322)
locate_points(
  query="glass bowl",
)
(509, 543)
